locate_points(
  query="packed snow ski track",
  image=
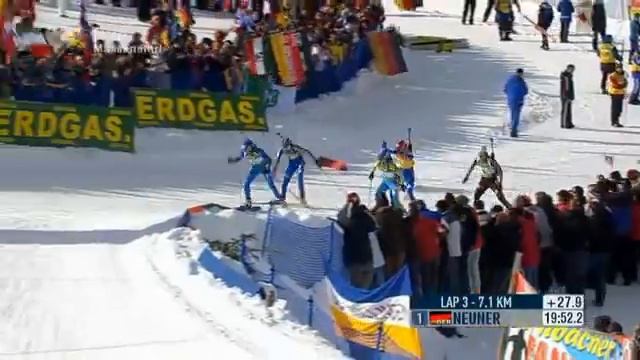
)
(66, 295)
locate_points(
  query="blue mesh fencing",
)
(302, 252)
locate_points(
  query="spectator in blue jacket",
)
(634, 32)
(565, 8)
(619, 200)
(516, 89)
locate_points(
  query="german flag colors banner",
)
(288, 57)
(387, 55)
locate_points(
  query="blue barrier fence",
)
(302, 252)
(116, 91)
(297, 259)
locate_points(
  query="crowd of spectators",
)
(585, 240)
(179, 60)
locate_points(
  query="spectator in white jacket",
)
(547, 246)
(453, 275)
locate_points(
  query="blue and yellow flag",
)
(376, 323)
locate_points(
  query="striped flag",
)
(387, 55)
(8, 38)
(254, 53)
(289, 58)
(295, 57)
(279, 54)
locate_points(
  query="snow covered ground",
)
(75, 285)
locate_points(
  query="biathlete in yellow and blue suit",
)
(390, 176)
(406, 163)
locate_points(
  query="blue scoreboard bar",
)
(484, 302)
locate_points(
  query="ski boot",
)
(279, 201)
(303, 202)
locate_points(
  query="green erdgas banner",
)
(60, 125)
(199, 110)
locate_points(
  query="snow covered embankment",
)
(243, 319)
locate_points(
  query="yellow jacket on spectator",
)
(504, 6)
(338, 51)
(605, 52)
(617, 83)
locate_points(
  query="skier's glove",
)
(403, 187)
(231, 160)
(371, 176)
(318, 163)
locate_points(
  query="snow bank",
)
(228, 225)
(243, 319)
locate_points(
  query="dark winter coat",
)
(469, 229)
(552, 217)
(574, 231)
(357, 246)
(545, 15)
(566, 86)
(391, 232)
(502, 241)
(516, 89)
(620, 205)
(601, 229)
(599, 17)
(565, 8)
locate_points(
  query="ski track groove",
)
(251, 348)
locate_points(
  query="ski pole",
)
(492, 150)
(369, 194)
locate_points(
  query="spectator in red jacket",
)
(530, 243)
(428, 232)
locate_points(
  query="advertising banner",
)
(59, 125)
(199, 110)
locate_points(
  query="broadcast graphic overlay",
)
(500, 311)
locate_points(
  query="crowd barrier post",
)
(267, 226)
(310, 316)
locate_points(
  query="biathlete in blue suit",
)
(390, 175)
(406, 164)
(295, 153)
(260, 164)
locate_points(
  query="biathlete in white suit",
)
(490, 176)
